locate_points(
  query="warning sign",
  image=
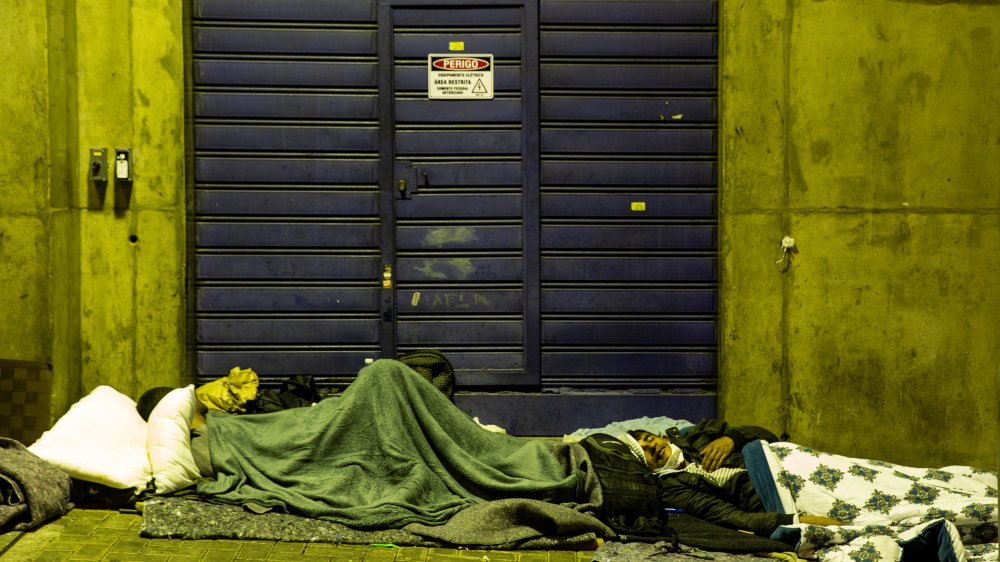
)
(461, 77)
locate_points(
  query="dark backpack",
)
(295, 392)
(433, 366)
(632, 505)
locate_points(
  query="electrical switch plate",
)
(99, 165)
(123, 164)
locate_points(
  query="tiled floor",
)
(85, 534)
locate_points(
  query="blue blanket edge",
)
(767, 489)
(761, 477)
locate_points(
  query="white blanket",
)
(889, 511)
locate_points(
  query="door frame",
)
(530, 179)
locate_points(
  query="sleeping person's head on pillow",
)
(150, 399)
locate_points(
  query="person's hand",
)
(715, 452)
(818, 520)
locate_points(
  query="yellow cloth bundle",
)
(230, 393)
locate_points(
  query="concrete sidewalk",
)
(88, 534)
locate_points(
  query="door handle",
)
(407, 180)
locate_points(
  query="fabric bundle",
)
(32, 491)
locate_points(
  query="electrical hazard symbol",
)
(460, 76)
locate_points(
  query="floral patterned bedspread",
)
(889, 511)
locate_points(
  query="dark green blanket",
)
(392, 451)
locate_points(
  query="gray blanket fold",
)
(513, 522)
(504, 526)
(32, 490)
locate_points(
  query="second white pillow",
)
(169, 441)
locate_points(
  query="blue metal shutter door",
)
(558, 242)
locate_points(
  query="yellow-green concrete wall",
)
(93, 289)
(865, 130)
(869, 132)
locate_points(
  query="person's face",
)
(656, 448)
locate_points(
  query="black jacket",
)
(733, 504)
(698, 437)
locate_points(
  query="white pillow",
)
(169, 441)
(100, 439)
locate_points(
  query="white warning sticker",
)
(464, 76)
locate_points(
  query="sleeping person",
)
(390, 451)
(741, 477)
(702, 472)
